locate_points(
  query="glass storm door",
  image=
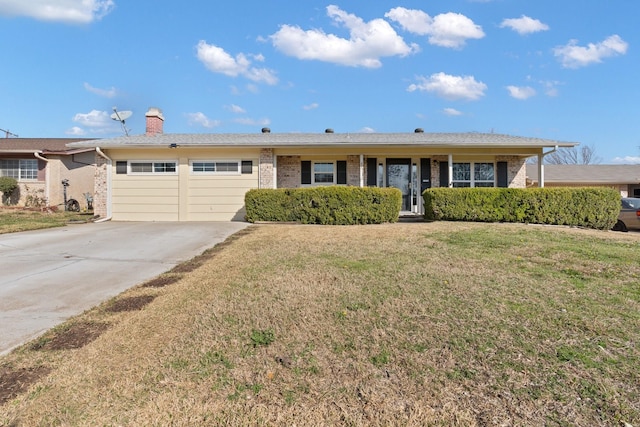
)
(398, 176)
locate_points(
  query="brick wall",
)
(516, 171)
(353, 170)
(100, 187)
(266, 168)
(289, 170)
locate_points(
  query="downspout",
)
(38, 155)
(541, 166)
(109, 164)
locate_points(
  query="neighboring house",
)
(204, 177)
(40, 164)
(624, 178)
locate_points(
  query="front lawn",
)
(397, 324)
(18, 219)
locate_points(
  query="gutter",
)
(109, 165)
(38, 155)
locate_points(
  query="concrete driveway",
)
(48, 276)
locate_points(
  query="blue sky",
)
(565, 70)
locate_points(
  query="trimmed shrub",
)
(581, 207)
(335, 205)
(7, 187)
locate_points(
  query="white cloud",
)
(76, 131)
(367, 129)
(446, 30)
(201, 119)
(235, 109)
(452, 112)
(98, 122)
(573, 56)
(521, 92)
(627, 160)
(311, 106)
(106, 93)
(551, 87)
(94, 119)
(67, 11)
(368, 41)
(217, 60)
(253, 122)
(524, 25)
(450, 87)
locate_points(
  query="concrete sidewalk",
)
(48, 276)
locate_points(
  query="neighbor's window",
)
(215, 167)
(152, 167)
(473, 175)
(20, 169)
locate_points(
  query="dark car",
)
(629, 218)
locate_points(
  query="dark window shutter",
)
(247, 166)
(425, 174)
(306, 172)
(444, 174)
(121, 167)
(341, 166)
(372, 171)
(503, 176)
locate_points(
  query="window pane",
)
(483, 172)
(226, 166)
(462, 171)
(138, 167)
(10, 168)
(204, 167)
(323, 173)
(461, 184)
(164, 167)
(29, 169)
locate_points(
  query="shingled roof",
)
(274, 140)
(587, 174)
(44, 145)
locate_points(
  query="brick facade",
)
(516, 171)
(353, 170)
(289, 170)
(266, 168)
(100, 187)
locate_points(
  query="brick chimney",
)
(155, 119)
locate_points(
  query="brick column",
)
(100, 187)
(266, 168)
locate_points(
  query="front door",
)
(399, 176)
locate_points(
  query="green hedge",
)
(584, 207)
(336, 205)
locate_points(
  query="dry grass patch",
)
(14, 219)
(399, 324)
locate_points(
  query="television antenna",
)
(121, 116)
(7, 133)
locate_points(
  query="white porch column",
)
(361, 170)
(450, 177)
(541, 170)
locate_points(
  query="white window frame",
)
(472, 180)
(23, 172)
(334, 172)
(153, 167)
(215, 170)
